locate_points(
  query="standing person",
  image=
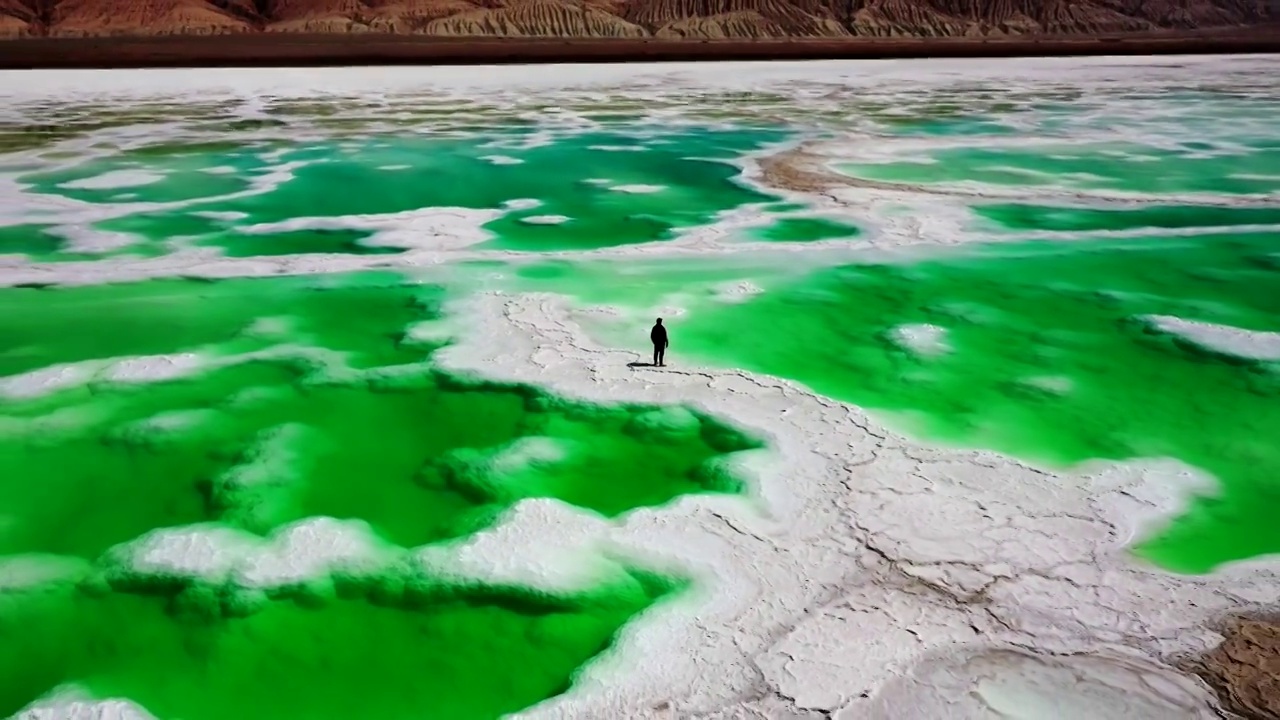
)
(659, 337)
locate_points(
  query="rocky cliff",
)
(624, 18)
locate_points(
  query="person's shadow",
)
(639, 364)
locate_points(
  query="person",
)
(659, 337)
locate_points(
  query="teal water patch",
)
(169, 230)
(1046, 358)
(168, 172)
(30, 240)
(297, 242)
(599, 188)
(161, 226)
(589, 179)
(784, 206)
(1124, 167)
(41, 243)
(1017, 216)
(944, 127)
(803, 229)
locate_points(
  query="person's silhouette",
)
(659, 337)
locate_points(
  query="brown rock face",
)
(737, 18)
(1245, 668)
(694, 19)
(18, 19)
(532, 18)
(88, 18)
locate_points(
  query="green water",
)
(1133, 168)
(1016, 314)
(1016, 216)
(387, 647)
(30, 240)
(187, 171)
(802, 229)
(297, 242)
(420, 457)
(43, 326)
(336, 411)
(165, 225)
(945, 127)
(318, 396)
(437, 456)
(178, 227)
(686, 175)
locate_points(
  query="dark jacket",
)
(659, 335)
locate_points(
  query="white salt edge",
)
(300, 551)
(539, 543)
(1250, 344)
(1019, 685)
(142, 368)
(1128, 499)
(69, 702)
(737, 292)
(438, 228)
(546, 219)
(770, 628)
(638, 189)
(921, 338)
(115, 179)
(522, 204)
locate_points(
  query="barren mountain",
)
(90, 18)
(737, 18)
(18, 19)
(695, 19)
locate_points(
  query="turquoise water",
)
(318, 396)
(1114, 166)
(602, 188)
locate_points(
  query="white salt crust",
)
(923, 338)
(73, 703)
(115, 179)
(638, 189)
(864, 556)
(868, 576)
(1249, 344)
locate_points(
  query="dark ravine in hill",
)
(667, 19)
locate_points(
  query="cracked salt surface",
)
(864, 556)
(1022, 686)
(867, 577)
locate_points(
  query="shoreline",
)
(304, 50)
(868, 572)
(834, 596)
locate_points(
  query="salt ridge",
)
(1248, 344)
(866, 567)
